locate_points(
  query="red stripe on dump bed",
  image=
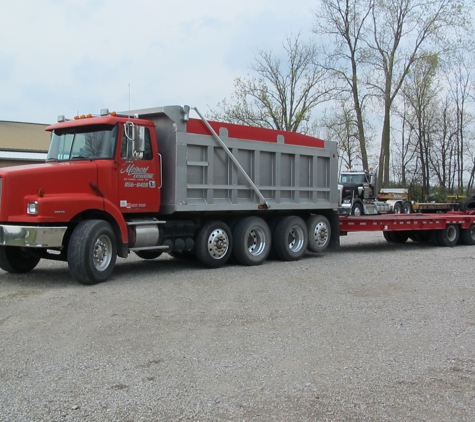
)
(254, 133)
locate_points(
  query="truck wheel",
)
(397, 208)
(152, 254)
(357, 210)
(252, 241)
(17, 260)
(407, 208)
(468, 235)
(319, 233)
(290, 238)
(92, 252)
(448, 236)
(214, 244)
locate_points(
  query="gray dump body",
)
(199, 175)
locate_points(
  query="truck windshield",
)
(352, 178)
(85, 142)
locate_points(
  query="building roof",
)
(26, 137)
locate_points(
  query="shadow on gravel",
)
(41, 276)
(383, 247)
(149, 267)
(56, 274)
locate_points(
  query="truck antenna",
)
(129, 101)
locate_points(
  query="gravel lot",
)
(371, 332)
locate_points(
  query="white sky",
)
(69, 56)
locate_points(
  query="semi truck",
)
(360, 195)
(157, 180)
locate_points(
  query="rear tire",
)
(92, 252)
(319, 233)
(407, 208)
(214, 244)
(468, 235)
(290, 238)
(449, 236)
(252, 241)
(14, 259)
(397, 208)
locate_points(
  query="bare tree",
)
(421, 115)
(345, 23)
(460, 91)
(340, 126)
(284, 93)
(402, 29)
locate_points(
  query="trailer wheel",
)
(290, 238)
(397, 236)
(92, 252)
(357, 209)
(214, 244)
(17, 260)
(468, 235)
(407, 208)
(448, 236)
(319, 233)
(152, 254)
(252, 241)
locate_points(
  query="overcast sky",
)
(69, 56)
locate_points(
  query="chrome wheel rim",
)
(102, 252)
(218, 243)
(296, 239)
(256, 242)
(321, 233)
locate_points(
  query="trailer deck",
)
(406, 222)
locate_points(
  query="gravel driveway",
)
(371, 332)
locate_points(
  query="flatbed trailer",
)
(446, 229)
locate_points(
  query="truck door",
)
(138, 172)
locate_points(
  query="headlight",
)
(32, 208)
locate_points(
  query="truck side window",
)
(142, 132)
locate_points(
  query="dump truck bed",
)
(290, 170)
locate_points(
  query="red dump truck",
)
(156, 180)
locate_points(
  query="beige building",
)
(23, 143)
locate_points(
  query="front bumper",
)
(32, 236)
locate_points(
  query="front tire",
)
(357, 209)
(92, 252)
(14, 259)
